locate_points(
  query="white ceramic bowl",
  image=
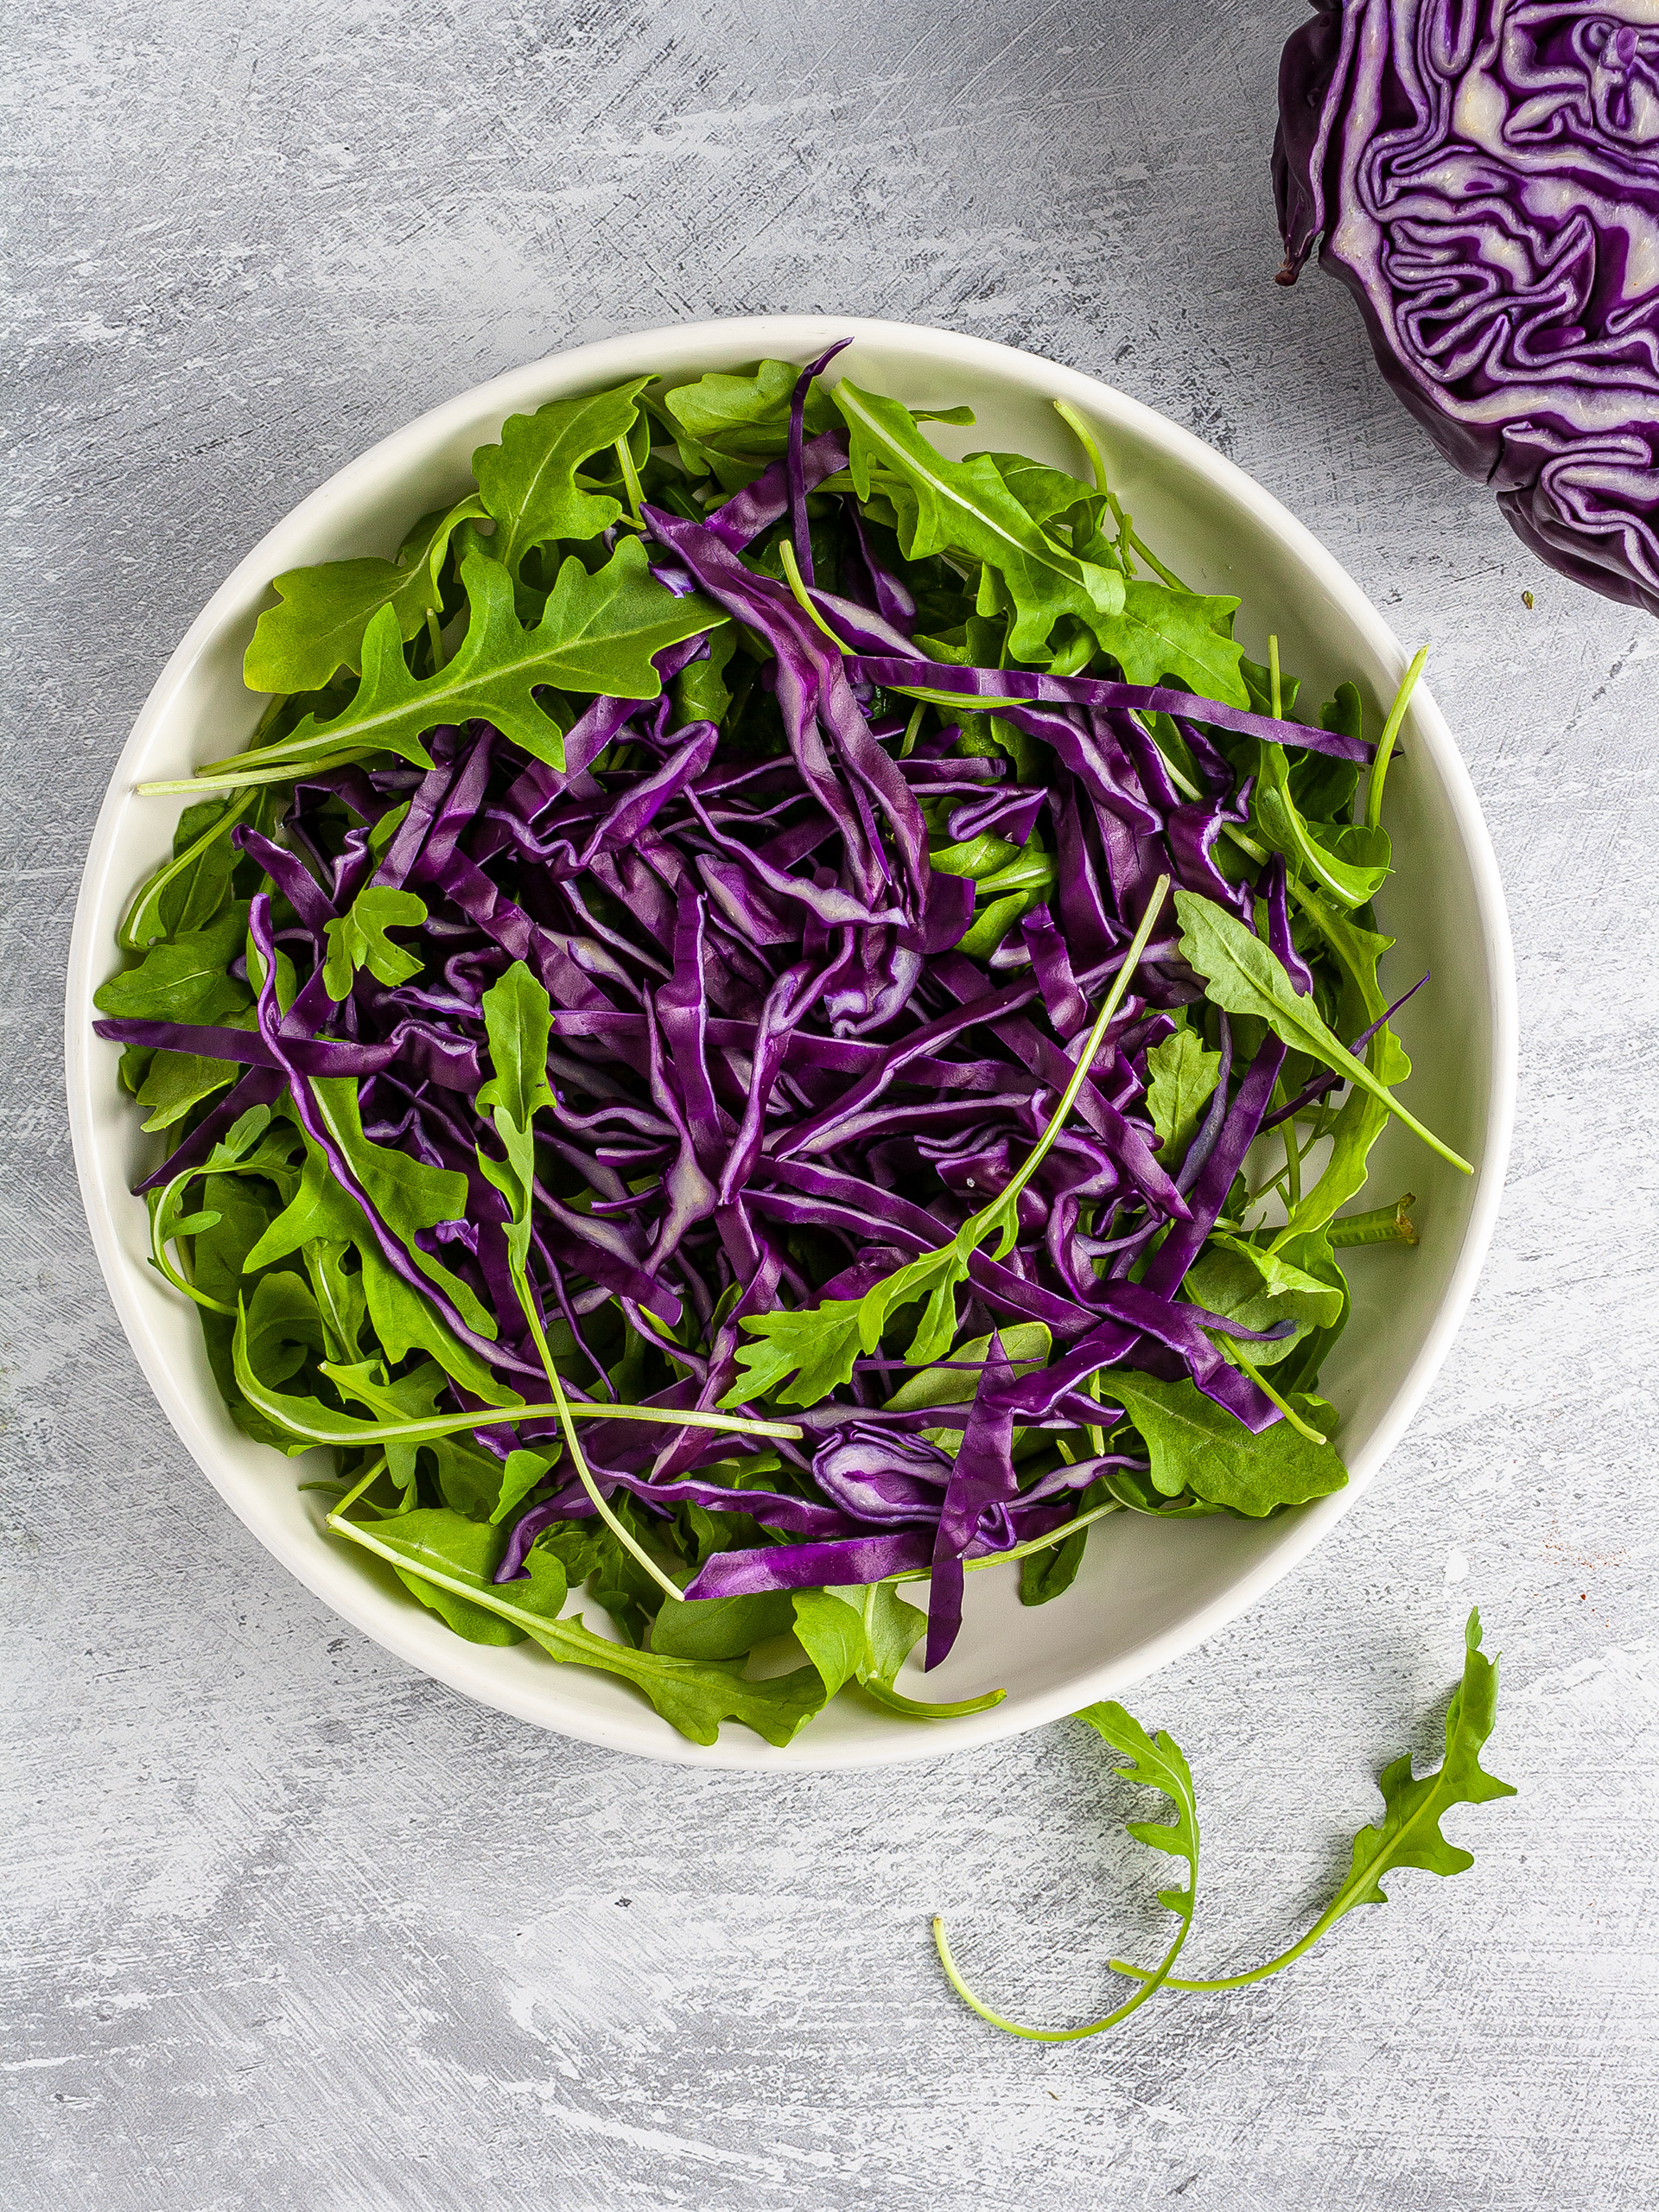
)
(1146, 1593)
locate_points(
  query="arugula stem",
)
(912, 730)
(804, 598)
(246, 778)
(629, 1544)
(1076, 423)
(914, 1709)
(1040, 1150)
(1022, 1551)
(1385, 744)
(1127, 537)
(1301, 1427)
(1149, 1983)
(435, 638)
(1276, 682)
(631, 481)
(1385, 1225)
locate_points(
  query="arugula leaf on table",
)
(527, 482)
(1246, 977)
(966, 507)
(1198, 1445)
(1157, 1763)
(323, 613)
(185, 979)
(597, 635)
(357, 939)
(1182, 1077)
(1409, 1834)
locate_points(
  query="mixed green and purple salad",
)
(768, 1014)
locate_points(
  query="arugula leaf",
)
(186, 980)
(186, 891)
(1409, 1834)
(1159, 633)
(454, 1558)
(1158, 1762)
(1259, 1289)
(317, 627)
(1026, 1345)
(1246, 977)
(966, 507)
(359, 939)
(1182, 1078)
(1196, 1445)
(597, 635)
(744, 415)
(864, 1635)
(1351, 863)
(1048, 1570)
(528, 481)
(175, 1082)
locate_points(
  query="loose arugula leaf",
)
(965, 506)
(1409, 1834)
(359, 939)
(318, 625)
(819, 1346)
(1158, 1762)
(1183, 1080)
(1245, 977)
(1198, 1445)
(597, 633)
(528, 481)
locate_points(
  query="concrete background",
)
(287, 1926)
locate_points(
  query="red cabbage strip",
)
(766, 501)
(1169, 1264)
(995, 686)
(982, 1480)
(795, 461)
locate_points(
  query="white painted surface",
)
(289, 1925)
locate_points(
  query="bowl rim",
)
(359, 1600)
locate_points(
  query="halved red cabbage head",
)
(1483, 175)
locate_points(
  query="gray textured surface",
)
(289, 1926)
